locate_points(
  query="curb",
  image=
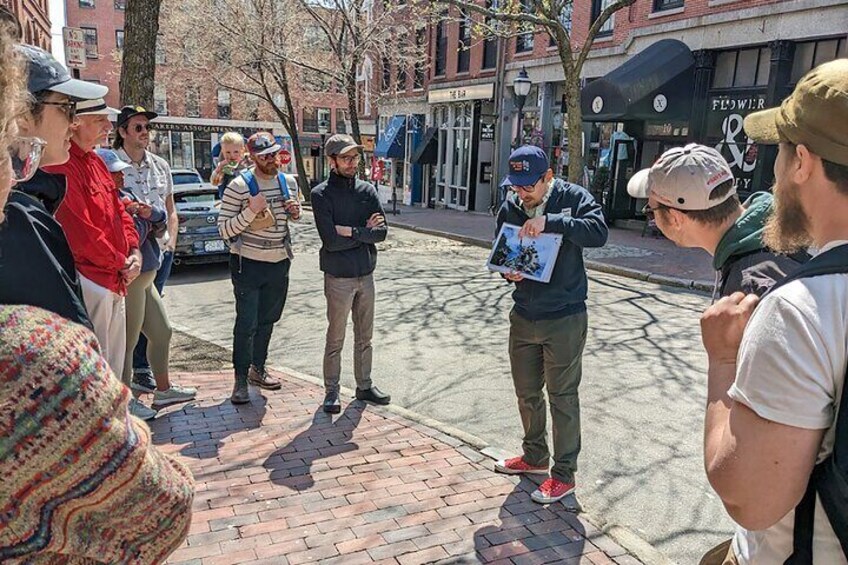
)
(626, 538)
(656, 278)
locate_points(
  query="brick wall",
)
(34, 17)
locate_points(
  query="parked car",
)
(197, 209)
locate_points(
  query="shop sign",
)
(726, 133)
(459, 94)
(199, 128)
(74, 40)
(666, 130)
(487, 132)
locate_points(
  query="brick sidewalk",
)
(626, 248)
(280, 482)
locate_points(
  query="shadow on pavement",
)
(203, 429)
(291, 465)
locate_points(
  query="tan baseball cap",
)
(814, 115)
(684, 178)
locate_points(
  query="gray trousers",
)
(549, 354)
(346, 296)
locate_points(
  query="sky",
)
(57, 19)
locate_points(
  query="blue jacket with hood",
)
(572, 212)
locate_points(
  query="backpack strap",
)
(831, 262)
(284, 186)
(250, 181)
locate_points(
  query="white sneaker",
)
(173, 395)
(141, 411)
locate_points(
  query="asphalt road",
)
(441, 350)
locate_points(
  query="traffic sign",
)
(74, 39)
(285, 157)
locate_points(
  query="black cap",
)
(129, 112)
(44, 72)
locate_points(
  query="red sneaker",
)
(551, 491)
(517, 466)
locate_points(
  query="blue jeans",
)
(140, 353)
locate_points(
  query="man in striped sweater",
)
(255, 213)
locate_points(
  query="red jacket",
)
(99, 230)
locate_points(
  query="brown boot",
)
(260, 378)
(241, 392)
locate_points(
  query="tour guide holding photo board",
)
(548, 322)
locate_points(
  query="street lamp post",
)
(521, 88)
(323, 129)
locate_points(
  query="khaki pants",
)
(346, 295)
(146, 314)
(549, 354)
(722, 554)
(107, 313)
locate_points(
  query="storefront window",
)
(182, 150)
(742, 69)
(160, 144)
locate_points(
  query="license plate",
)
(211, 246)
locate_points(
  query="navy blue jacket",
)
(572, 212)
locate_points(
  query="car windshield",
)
(186, 178)
(207, 196)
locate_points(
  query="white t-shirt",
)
(791, 370)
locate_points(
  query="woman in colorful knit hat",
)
(81, 480)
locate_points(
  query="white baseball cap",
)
(96, 107)
(684, 178)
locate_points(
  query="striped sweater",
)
(81, 480)
(270, 245)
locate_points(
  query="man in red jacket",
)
(100, 232)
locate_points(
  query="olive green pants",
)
(549, 354)
(146, 313)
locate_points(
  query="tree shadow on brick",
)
(292, 465)
(527, 532)
(204, 428)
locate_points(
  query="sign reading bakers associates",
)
(725, 116)
(461, 93)
(74, 40)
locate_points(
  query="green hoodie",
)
(746, 235)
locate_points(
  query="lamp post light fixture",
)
(521, 88)
(323, 129)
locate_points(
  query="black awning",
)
(656, 84)
(427, 152)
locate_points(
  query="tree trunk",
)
(353, 108)
(302, 182)
(575, 129)
(138, 66)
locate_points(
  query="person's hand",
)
(257, 203)
(514, 276)
(132, 267)
(293, 208)
(723, 324)
(131, 206)
(144, 211)
(532, 228)
(375, 221)
(344, 231)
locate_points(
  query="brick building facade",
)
(194, 111)
(34, 17)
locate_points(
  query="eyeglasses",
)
(143, 127)
(651, 212)
(25, 154)
(349, 159)
(528, 189)
(69, 108)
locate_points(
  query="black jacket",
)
(572, 212)
(341, 201)
(36, 264)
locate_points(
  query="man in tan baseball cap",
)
(777, 365)
(692, 197)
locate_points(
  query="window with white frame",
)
(224, 108)
(160, 100)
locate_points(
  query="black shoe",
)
(332, 404)
(374, 395)
(143, 381)
(241, 392)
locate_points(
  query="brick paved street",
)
(278, 481)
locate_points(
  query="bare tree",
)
(138, 66)
(520, 16)
(245, 47)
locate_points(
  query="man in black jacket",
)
(691, 194)
(36, 264)
(548, 324)
(350, 220)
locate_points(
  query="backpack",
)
(829, 478)
(253, 187)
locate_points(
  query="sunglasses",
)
(267, 156)
(142, 127)
(651, 212)
(69, 108)
(25, 154)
